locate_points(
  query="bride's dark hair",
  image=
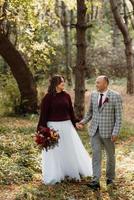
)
(54, 82)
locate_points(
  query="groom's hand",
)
(79, 125)
(114, 138)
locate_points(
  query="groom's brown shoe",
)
(94, 185)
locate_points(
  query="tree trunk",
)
(22, 75)
(128, 45)
(65, 21)
(81, 27)
(130, 67)
(132, 2)
(116, 37)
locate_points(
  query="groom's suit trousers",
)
(97, 144)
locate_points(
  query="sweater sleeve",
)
(71, 110)
(44, 109)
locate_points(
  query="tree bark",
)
(22, 75)
(132, 2)
(116, 35)
(81, 59)
(65, 21)
(128, 45)
(130, 16)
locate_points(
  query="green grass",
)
(18, 153)
(127, 131)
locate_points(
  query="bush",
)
(108, 61)
(9, 95)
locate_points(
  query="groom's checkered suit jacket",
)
(108, 117)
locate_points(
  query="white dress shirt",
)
(103, 97)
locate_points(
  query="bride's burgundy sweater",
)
(56, 107)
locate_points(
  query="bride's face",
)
(61, 86)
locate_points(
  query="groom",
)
(105, 111)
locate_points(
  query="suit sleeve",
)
(44, 109)
(118, 115)
(88, 115)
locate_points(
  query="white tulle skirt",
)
(69, 158)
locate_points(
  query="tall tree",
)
(81, 27)
(18, 67)
(123, 26)
(132, 2)
(64, 15)
(22, 75)
(65, 21)
(116, 35)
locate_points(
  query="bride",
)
(69, 158)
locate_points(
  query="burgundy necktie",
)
(100, 101)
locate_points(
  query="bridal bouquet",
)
(46, 138)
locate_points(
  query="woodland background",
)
(80, 40)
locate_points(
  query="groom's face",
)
(101, 84)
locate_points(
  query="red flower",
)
(46, 138)
(106, 100)
(39, 139)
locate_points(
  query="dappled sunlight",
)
(17, 140)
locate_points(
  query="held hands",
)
(79, 125)
(114, 138)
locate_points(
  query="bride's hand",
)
(79, 125)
